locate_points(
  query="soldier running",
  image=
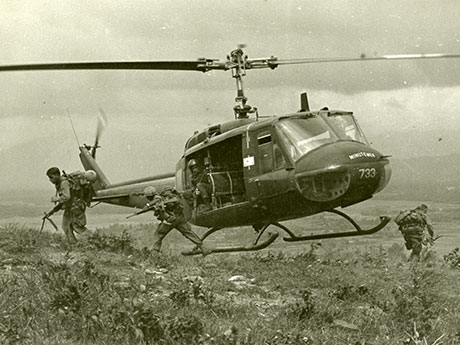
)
(412, 224)
(169, 211)
(74, 218)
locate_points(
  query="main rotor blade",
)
(204, 65)
(201, 65)
(363, 57)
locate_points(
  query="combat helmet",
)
(422, 207)
(150, 191)
(90, 175)
(192, 163)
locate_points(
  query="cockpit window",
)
(302, 135)
(345, 127)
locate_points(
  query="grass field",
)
(445, 217)
(110, 289)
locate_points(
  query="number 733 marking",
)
(367, 173)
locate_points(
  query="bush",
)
(184, 329)
(453, 258)
(417, 302)
(17, 239)
(191, 291)
(111, 243)
(304, 309)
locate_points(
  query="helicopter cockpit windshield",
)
(345, 126)
(301, 135)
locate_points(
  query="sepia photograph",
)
(229, 173)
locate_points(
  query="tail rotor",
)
(101, 124)
(88, 155)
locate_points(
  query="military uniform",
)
(201, 191)
(74, 218)
(413, 228)
(170, 213)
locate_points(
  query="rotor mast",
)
(239, 62)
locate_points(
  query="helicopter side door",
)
(265, 167)
(265, 148)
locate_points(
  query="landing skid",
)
(384, 220)
(247, 248)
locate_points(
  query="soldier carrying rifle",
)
(169, 211)
(413, 224)
(74, 218)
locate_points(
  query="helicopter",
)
(260, 170)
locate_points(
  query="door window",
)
(264, 141)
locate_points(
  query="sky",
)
(152, 113)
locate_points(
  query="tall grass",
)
(109, 290)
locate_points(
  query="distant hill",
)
(435, 178)
(443, 170)
(424, 165)
(124, 156)
(409, 144)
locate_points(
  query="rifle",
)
(147, 208)
(47, 217)
(158, 204)
(431, 240)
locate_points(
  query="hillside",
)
(412, 144)
(425, 178)
(106, 290)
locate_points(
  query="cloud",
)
(154, 112)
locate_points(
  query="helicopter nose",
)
(351, 171)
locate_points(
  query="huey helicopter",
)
(261, 170)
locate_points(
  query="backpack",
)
(399, 219)
(80, 186)
(411, 217)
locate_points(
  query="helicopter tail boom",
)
(89, 163)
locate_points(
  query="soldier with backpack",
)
(168, 209)
(412, 224)
(70, 198)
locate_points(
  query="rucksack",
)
(170, 194)
(399, 219)
(406, 217)
(80, 186)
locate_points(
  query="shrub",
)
(111, 243)
(184, 329)
(417, 302)
(304, 309)
(191, 291)
(453, 258)
(16, 239)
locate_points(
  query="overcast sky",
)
(152, 113)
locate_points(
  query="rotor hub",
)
(239, 62)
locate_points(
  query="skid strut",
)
(384, 220)
(265, 244)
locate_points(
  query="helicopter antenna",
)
(239, 62)
(73, 128)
